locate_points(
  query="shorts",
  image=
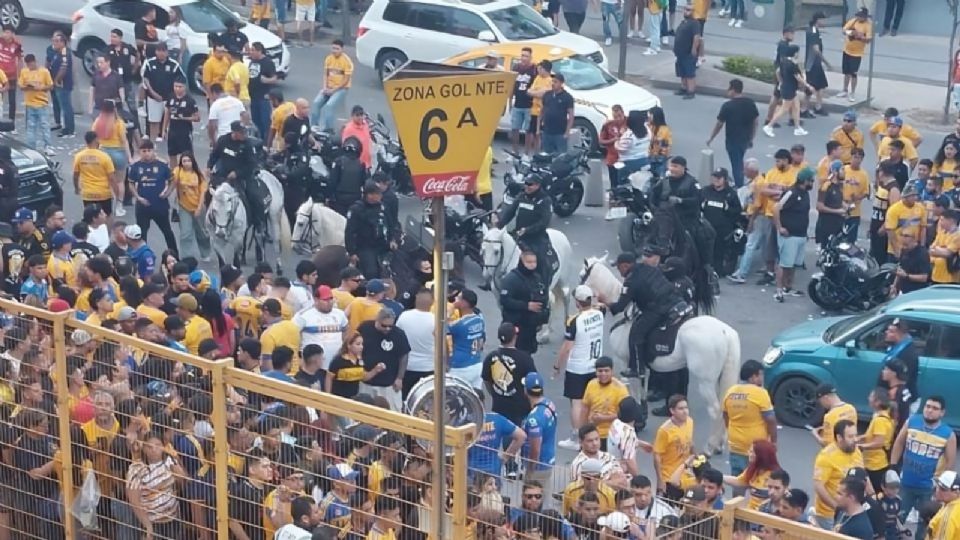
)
(118, 156)
(154, 111)
(703, 24)
(686, 66)
(817, 78)
(470, 375)
(788, 93)
(280, 6)
(179, 142)
(519, 119)
(850, 64)
(532, 127)
(575, 384)
(106, 205)
(791, 250)
(305, 13)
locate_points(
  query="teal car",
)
(848, 352)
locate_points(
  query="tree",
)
(954, 6)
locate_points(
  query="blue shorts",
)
(118, 156)
(280, 8)
(791, 251)
(519, 119)
(686, 66)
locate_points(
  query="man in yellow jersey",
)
(215, 68)
(877, 440)
(350, 279)
(946, 524)
(367, 308)
(830, 468)
(337, 75)
(149, 308)
(197, 328)
(836, 410)
(237, 82)
(483, 198)
(281, 111)
(701, 9)
(92, 169)
(590, 481)
(540, 86)
(858, 32)
(674, 441)
(943, 251)
(35, 82)
(278, 331)
(246, 312)
(878, 130)
(907, 216)
(777, 181)
(856, 188)
(601, 399)
(60, 269)
(388, 520)
(748, 415)
(848, 135)
(823, 166)
(895, 133)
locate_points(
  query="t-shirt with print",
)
(525, 76)
(94, 167)
(11, 52)
(504, 370)
(151, 179)
(387, 347)
(181, 108)
(260, 69)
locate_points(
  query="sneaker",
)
(689, 96)
(631, 34)
(799, 132)
(822, 112)
(852, 98)
(119, 211)
(641, 35)
(680, 92)
(893, 33)
(159, 139)
(205, 258)
(66, 135)
(768, 131)
(665, 40)
(608, 42)
(56, 127)
(569, 444)
(739, 24)
(841, 94)
(778, 296)
(651, 52)
(768, 279)
(793, 292)
(732, 22)
(733, 278)
(722, 12)
(807, 114)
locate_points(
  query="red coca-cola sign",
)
(441, 185)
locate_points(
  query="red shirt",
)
(956, 68)
(611, 129)
(10, 54)
(362, 133)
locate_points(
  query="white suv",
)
(394, 31)
(16, 13)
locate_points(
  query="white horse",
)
(317, 225)
(227, 223)
(500, 254)
(707, 346)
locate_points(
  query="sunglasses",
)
(533, 495)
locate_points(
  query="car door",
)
(122, 14)
(940, 367)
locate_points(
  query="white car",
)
(17, 13)
(394, 31)
(93, 22)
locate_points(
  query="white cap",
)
(582, 293)
(949, 480)
(891, 478)
(133, 232)
(80, 337)
(617, 522)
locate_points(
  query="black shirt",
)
(901, 173)
(295, 124)
(305, 379)
(781, 52)
(122, 60)
(684, 36)
(246, 507)
(263, 67)
(814, 39)
(738, 115)
(31, 453)
(556, 105)
(180, 109)
(115, 252)
(857, 526)
(379, 347)
(346, 377)
(914, 261)
(161, 75)
(795, 212)
(788, 77)
(503, 371)
(525, 75)
(234, 41)
(106, 87)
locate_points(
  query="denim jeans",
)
(194, 241)
(736, 151)
(654, 23)
(756, 242)
(913, 498)
(324, 108)
(853, 228)
(630, 166)
(607, 11)
(65, 98)
(38, 127)
(553, 143)
(738, 10)
(260, 110)
(738, 463)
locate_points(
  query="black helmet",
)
(674, 268)
(352, 146)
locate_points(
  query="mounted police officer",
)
(533, 210)
(524, 300)
(233, 159)
(369, 233)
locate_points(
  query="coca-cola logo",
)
(434, 186)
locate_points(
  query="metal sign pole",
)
(873, 49)
(439, 370)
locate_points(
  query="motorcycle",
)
(630, 205)
(734, 245)
(391, 160)
(560, 173)
(303, 174)
(463, 232)
(850, 277)
(329, 146)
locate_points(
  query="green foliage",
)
(750, 67)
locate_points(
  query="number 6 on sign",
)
(446, 117)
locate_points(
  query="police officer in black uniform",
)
(32, 239)
(347, 176)
(9, 184)
(524, 300)
(233, 160)
(654, 295)
(390, 201)
(721, 208)
(369, 233)
(533, 210)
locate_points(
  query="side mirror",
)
(380, 119)
(851, 346)
(487, 35)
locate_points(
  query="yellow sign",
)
(446, 117)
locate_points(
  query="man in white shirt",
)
(417, 323)
(224, 110)
(299, 296)
(302, 510)
(590, 449)
(96, 220)
(622, 438)
(649, 506)
(582, 345)
(322, 324)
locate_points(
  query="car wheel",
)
(195, 73)
(11, 14)
(88, 50)
(389, 62)
(795, 401)
(588, 134)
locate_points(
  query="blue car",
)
(848, 352)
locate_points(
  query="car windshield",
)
(843, 326)
(521, 22)
(581, 73)
(206, 16)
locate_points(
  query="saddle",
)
(663, 339)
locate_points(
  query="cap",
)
(229, 274)
(582, 293)
(850, 116)
(206, 346)
(342, 471)
(949, 480)
(863, 12)
(133, 232)
(836, 165)
(806, 174)
(366, 433)
(324, 292)
(200, 280)
(157, 389)
(617, 522)
(533, 383)
(61, 238)
(696, 494)
(272, 306)
(591, 466)
(532, 179)
(22, 214)
(236, 126)
(910, 190)
(891, 478)
(506, 332)
(80, 337)
(858, 473)
(376, 286)
(127, 313)
(825, 389)
(720, 172)
(558, 76)
(627, 257)
(187, 301)
(58, 305)
(896, 120)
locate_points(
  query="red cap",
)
(58, 305)
(324, 292)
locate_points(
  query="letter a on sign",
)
(446, 117)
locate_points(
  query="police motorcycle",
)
(734, 245)
(391, 160)
(303, 174)
(560, 174)
(630, 204)
(463, 227)
(850, 278)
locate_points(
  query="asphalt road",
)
(748, 308)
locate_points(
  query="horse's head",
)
(304, 236)
(223, 210)
(589, 263)
(492, 251)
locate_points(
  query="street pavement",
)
(748, 308)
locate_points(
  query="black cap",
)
(863, 12)
(627, 257)
(506, 332)
(229, 274)
(272, 306)
(532, 179)
(825, 389)
(206, 346)
(720, 172)
(679, 160)
(236, 126)
(558, 76)
(857, 472)
(370, 187)
(899, 367)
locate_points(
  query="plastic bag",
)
(85, 505)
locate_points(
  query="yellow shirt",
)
(844, 411)
(282, 333)
(848, 141)
(573, 491)
(856, 185)
(701, 8)
(484, 184)
(880, 128)
(746, 407)
(94, 167)
(114, 140)
(940, 274)
(155, 315)
(198, 329)
(190, 189)
(343, 298)
(541, 82)
(757, 488)
(376, 474)
(654, 6)
(856, 47)
(32, 78)
(661, 141)
(604, 399)
(881, 424)
(829, 469)
(674, 444)
(362, 309)
(281, 113)
(376, 534)
(776, 177)
(269, 504)
(83, 299)
(215, 70)
(900, 218)
(61, 269)
(337, 71)
(945, 525)
(948, 171)
(260, 11)
(246, 311)
(909, 150)
(238, 81)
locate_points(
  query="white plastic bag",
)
(85, 505)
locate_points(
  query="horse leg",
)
(707, 388)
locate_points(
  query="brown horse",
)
(330, 261)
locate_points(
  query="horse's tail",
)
(286, 242)
(702, 291)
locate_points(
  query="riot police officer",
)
(721, 208)
(533, 210)
(233, 160)
(347, 176)
(369, 233)
(524, 301)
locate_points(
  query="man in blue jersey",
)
(139, 252)
(919, 447)
(149, 181)
(468, 334)
(539, 452)
(335, 506)
(485, 456)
